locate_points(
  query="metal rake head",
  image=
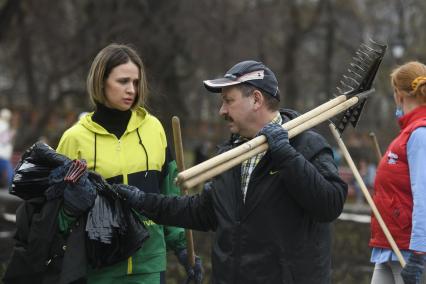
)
(358, 81)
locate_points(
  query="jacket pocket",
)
(399, 214)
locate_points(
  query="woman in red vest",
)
(400, 184)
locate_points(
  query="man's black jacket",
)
(281, 234)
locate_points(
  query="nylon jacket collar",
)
(138, 117)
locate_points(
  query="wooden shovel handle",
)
(177, 138)
(376, 146)
(366, 193)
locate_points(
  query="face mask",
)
(399, 112)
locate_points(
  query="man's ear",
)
(258, 99)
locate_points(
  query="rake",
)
(354, 89)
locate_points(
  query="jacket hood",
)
(289, 113)
(139, 115)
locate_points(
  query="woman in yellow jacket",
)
(125, 144)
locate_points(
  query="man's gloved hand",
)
(413, 270)
(132, 195)
(277, 138)
(194, 273)
(99, 182)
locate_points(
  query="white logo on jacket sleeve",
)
(392, 158)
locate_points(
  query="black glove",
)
(132, 195)
(79, 197)
(413, 270)
(101, 185)
(194, 273)
(278, 142)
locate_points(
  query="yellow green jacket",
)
(140, 158)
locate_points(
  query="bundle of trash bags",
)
(113, 230)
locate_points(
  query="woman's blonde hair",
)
(411, 78)
(108, 58)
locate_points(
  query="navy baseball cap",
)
(251, 72)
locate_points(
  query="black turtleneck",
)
(113, 120)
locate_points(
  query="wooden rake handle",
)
(297, 127)
(255, 142)
(367, 195)
(177, 139)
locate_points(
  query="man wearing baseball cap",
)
(271, 215)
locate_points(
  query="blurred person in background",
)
(271, 215)
(367, 171)
(202, 152)
(6, 148)
(124, 143)
(400, 184)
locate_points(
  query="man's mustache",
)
(227, 118)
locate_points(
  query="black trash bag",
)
(41, 153)
(114, 232)
(31, 176)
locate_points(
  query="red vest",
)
(392, 195)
